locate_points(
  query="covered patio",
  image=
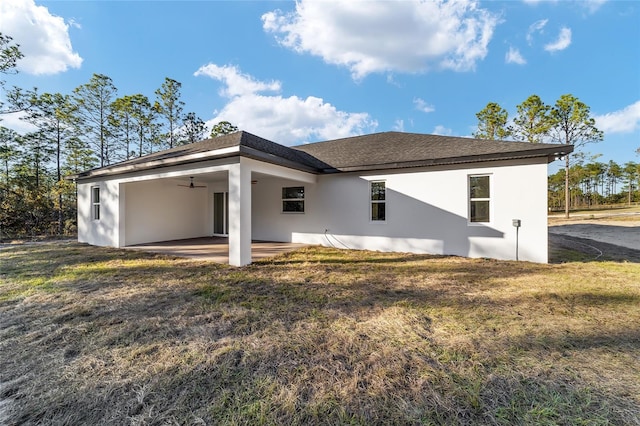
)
(195, 191)
(214, 249)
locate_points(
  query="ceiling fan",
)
(192, 185)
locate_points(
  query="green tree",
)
(123, 122)
(94, 102)
(18, 99)
(35, 156)
(9, 54)
(54, 116)
(532, 123)
(194, 128)
(630, 173)
(572, 124)
(30, 203)
(555, 190)
(8, 151)
(169, 106)
(144, 116)
(594, 179)
(80, 157)
(223, 128)
(614, 174)
(492, 123)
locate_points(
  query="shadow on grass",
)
(621, 341)
(334, 257)
(136, 338)
(581, 298)
(343, 281)
(133, 287)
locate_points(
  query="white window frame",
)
(470, 200)
(95, 204)
(300, 199)
(372, 202)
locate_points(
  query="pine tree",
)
(492, 123)
(94, 103)
(572, 124)
(532, 124)
(194, 128)
(169, 106)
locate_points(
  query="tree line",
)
(94, 126)
(594, 184)
(568, 121)
(91, 126)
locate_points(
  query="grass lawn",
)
(319, 336)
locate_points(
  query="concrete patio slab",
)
(215, 249)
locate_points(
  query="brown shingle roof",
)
(368, 152)
(397, 150)
(248, 145)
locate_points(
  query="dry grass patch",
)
(317, 336)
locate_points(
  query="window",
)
(479, 198)
(95, 202)
(293, 199)
(378, 201)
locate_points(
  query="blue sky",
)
(309, 71)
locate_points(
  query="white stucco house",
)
(387, 191)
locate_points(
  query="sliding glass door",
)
(220, 213)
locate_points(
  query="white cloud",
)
(626, 120)
(442, 130)
(421, 105)
(75, 24)
(563, 41)
(12, 121)
(514, 56)
(398, 125)
(536, 27)
(592, 5)
(535, 2)
(43, 37)
(237, 84)
(391, 80)
(386, 36)
(286, 120)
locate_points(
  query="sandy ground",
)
(612, 237)
(626, 234)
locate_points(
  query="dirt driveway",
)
(614, 238)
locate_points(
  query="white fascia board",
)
(278, 171)
(478, 167)
(129, 168)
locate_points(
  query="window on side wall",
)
(293, 199)
(479, 198)
(95, 202)
(378, 197)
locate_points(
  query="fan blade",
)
(192, 185)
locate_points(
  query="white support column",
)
(122, 215)
(239, 214)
